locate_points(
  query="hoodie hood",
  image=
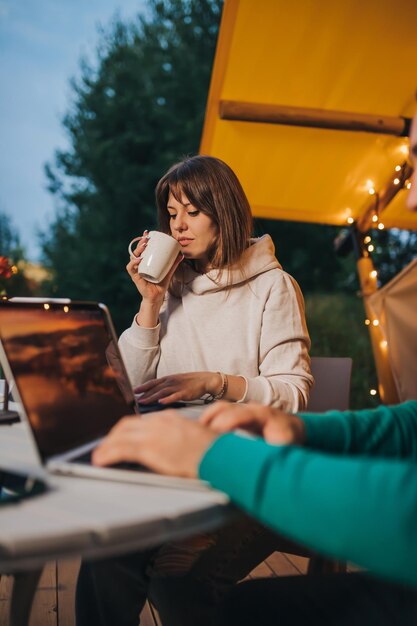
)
(258, 258)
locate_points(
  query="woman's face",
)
(195, 231)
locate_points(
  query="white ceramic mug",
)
(158, 256)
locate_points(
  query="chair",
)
(331, 391)
(331, 383)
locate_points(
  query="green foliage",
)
(12, 282)
(336, 326)
(306, 251)
(9, 239)
(137, 111)
(394, 249)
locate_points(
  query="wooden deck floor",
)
(54, 600)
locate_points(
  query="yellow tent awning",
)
(333, 58)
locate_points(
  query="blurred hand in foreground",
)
(273, 425)
(165, 442)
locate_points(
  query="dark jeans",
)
(185, 580)
(332, 600)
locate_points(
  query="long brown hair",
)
(214, 189)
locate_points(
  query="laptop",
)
(71, 384)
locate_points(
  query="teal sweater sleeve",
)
(352, 508)
(389, 431)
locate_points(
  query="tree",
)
(138, 110)
(12, 279)
(9, 239)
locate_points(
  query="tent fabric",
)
(354, 56)
(395, 306)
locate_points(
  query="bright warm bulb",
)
(66, 309)
(373, 392)
(375, 323)
(397, 168)
(375, 218)
(404, 149)
(396, 181)
(383, 344)
(371, 191)
(350, 220)
(408, 185)
(367, 322)
(374, 274)
(367, 239)
(371, 248)
(46, 307)
(381, 226)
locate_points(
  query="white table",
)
(90, 518)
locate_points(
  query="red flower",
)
(5, 267)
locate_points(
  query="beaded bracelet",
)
(211, 396)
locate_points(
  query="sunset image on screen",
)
(71, 390)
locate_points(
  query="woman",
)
(227, 322)
(230, 323)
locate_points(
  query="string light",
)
(371, 248)
(373, 274)
(367, 239)
(397, 168)
(375, 322)
(373, 392)
(367, 322)
(350, 220)
(46, 306)
(371, 191)
(381, 226)
(383, 344)
(66, 309)
(396, 181)
(408, 185)
(375, 218)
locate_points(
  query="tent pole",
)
(313, 118)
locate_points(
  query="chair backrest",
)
(331, 383)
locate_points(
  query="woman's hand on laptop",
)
(277, 427)
(165, 442)
(179, 387)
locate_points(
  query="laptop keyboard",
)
(125, 465)
(157, 406)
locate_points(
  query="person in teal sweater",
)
(341, 483)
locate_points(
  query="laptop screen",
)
(68, 371)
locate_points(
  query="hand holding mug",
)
(152, 263)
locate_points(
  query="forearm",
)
(288, 393)
(148, 315)
(333, 505)
(389, 431)
(140, 350)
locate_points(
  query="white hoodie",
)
(256, 330)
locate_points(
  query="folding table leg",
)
(24, 587)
